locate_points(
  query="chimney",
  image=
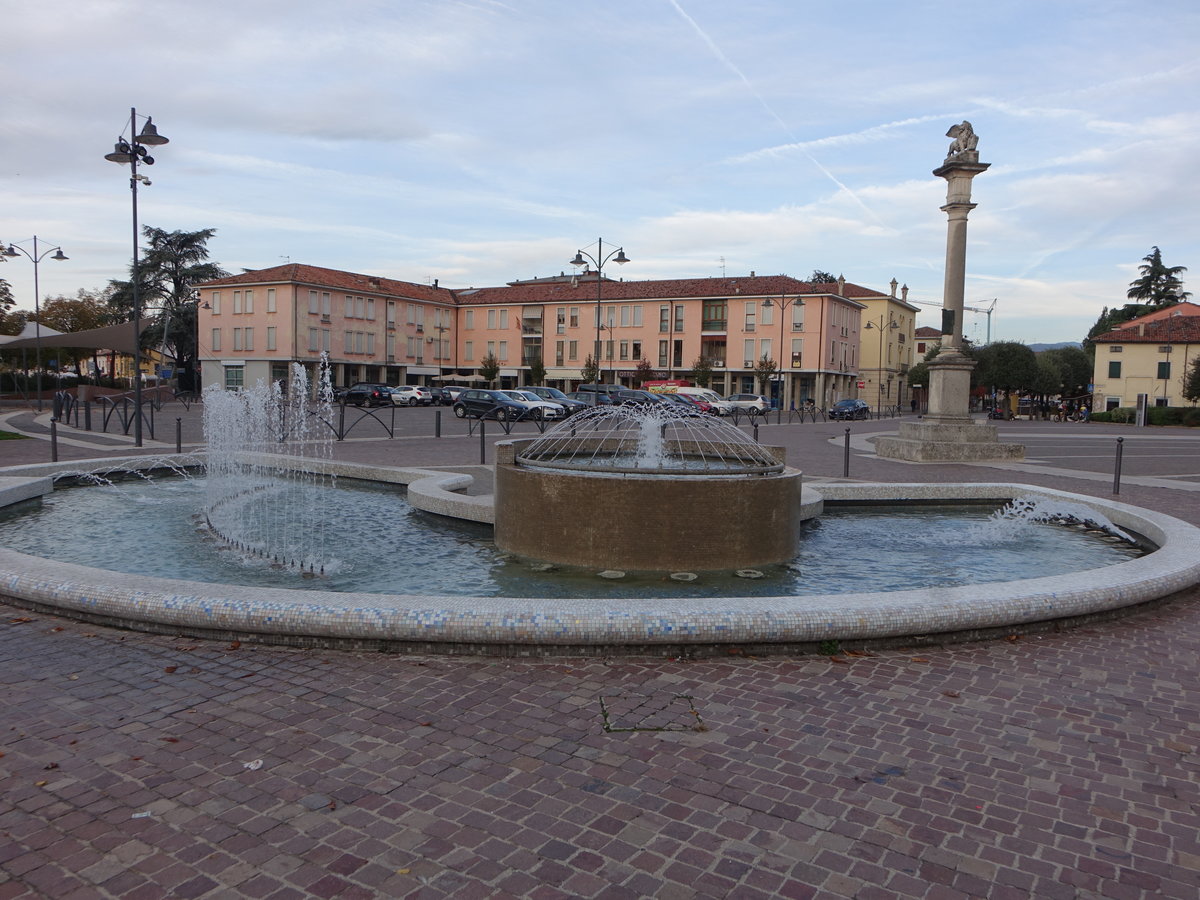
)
(751, 273)
(435, 282)
(841, 285)
(904, 293)
(894, 283)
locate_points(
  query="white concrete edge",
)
(129, 599)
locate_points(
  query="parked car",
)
(368, 394)
(689, 405)
(633, 397)
(554, 395)
(749, 402)
(850, 409)
(411, 395)
(591, 398)
(450, 393)
(538, 408)
(493, 404)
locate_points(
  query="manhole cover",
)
(650, 712)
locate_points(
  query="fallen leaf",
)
(20, 620)
(57, 628)
(1012, 637)
(332, 804)
(839, 659)
(170, 669)
(403, 871)
(50, 766)
(40, 783)
(170, 740)
(425, 724)
(234, 645)
(951, 694)
(918, 659)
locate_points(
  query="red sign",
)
(861, 385)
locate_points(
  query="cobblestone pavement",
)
(1063, 765)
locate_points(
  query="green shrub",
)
(1122, 415)
(1100, 417)
(1191, 417)
(1165, 415)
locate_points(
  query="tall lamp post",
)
(36, 257)
(883, 330)
(783, 302)
(599, 260)
(131, 153)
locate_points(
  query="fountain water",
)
(253, 503)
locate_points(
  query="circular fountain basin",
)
(553, 625)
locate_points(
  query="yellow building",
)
(1150, 355)
(887, 340)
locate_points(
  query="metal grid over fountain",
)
(639, 488)
(649, 440)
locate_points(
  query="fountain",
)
(577, 466)
(624, 487)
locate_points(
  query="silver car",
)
(538, 408)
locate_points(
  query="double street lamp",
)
(599, 260)
(131, 153)
(883, 330)
(783, 302)
(36, 257)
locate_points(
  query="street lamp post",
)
(892, 325)
(783, 303)
(130, 153)
(36, 257)
(599, 260)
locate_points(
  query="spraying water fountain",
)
(627, 487)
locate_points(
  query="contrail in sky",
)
(725, 61)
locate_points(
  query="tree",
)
(643, 373)
(172, 263)
(1075, 367)
(1191, 381)
(489, 368)
(819, 277)
(9, 322)
(764, 370)
(1006, 365)
(590, 371)
(702, 371)
(537, 370)
(1160, 284)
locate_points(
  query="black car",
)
(493, 404)
(633, 397)
(850, 409)
(554, 395)
(369, 394)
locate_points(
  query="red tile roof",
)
(1177, 330)
(334, 278)
(926, 331)
(585, 290)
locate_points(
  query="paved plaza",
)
(1058, 765)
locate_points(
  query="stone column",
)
(947, 433)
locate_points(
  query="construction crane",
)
(979, 309)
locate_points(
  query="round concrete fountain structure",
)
(629, 487)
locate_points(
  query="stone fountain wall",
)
(646, 522)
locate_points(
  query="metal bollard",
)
(482, 443)
(437, 424)
(53, 440)
(846, 457)
(178, 435)
(754, 425)
(1117, 469)
(87, 415)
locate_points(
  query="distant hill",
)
(1038, 348)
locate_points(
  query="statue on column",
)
(962, 148)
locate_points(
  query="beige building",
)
(1149, 355)
(889, 325)
(376, 329)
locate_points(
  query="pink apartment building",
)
(376, 329)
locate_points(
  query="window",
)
(237, 302)
(503, 318)
(234, 377)
(503, 351)
(371, 308)
(1115, 348)
(358, 342)
(1160, 401)
(215, 303)
(216, 340)
(1111, 403)
(768, 313)
(748, 352)
(391, 314)
(270, 300)
(558, 352)
(249, 342)
(371, 343)
(348, 312)
(664, 319)
(313, 346)
(572, 350)
(764, 349)
(326, 305)
(249, 307)
(491, 320)
(662, 353)
(470, 322)
(360, 308)
(491, 348)
(560, 321)
(1114, 369)
(624, 348)
(637, 350)
(797, 316)
(237, 339)
(326, 340)
(678, 318)
(349, 342)
(313, 308)
(797, 348)
(1164, 371)
(574, 316)
(751, 315)
(469, 350)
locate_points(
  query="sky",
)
(477, 142)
